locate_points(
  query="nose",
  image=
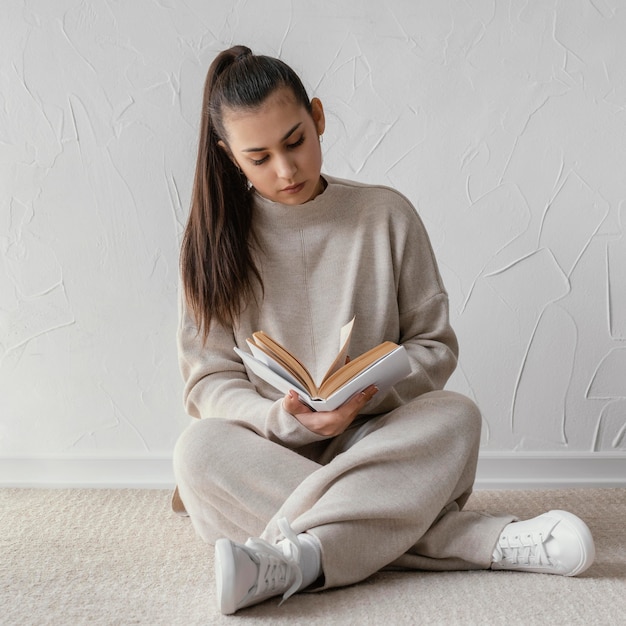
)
(286, 167)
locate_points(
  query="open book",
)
(383, 366)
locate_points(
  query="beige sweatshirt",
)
(355, 250)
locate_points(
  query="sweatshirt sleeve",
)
(216, 385)
(424, 324)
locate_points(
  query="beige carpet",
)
(70, 557)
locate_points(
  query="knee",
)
(200, 449)
(456, 412)
(467, 413)
(456, 419)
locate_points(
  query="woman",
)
(329, 497)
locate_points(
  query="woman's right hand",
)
(328, 423)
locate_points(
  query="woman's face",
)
(277, 147)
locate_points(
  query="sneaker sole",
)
(224, 570)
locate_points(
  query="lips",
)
(294, 188)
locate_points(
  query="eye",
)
(259, 161)
(300, 141)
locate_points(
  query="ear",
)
(317, 113)
(226, 149)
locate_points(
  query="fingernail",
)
(371, 393)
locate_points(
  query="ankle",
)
(310, 559)
(246, 574)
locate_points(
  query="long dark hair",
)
(217, 266)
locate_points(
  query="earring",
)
(321, 138)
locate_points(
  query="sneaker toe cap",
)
(571, 544)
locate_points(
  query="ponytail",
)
(217, 266)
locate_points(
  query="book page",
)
(354, 368)
(384, 373)
(263, 371)
(260, 355)
(287, 360)
(344, 345)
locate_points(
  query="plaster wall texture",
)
(504, 122)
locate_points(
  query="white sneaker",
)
(246, 574)
(556, 542)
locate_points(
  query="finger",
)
(292, 403)
(365, 396)
(353, 406)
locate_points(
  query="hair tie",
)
(242, 55)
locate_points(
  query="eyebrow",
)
(284, 137)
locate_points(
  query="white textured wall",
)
(504, 122)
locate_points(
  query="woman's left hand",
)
(328, 423)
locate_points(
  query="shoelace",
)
(277, 567)
(524, 550)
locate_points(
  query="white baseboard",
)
(149, 472)
(556, 470)
(496, 470)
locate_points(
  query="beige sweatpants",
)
(388, 492)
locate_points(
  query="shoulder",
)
(367, 190)
(379, 201)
